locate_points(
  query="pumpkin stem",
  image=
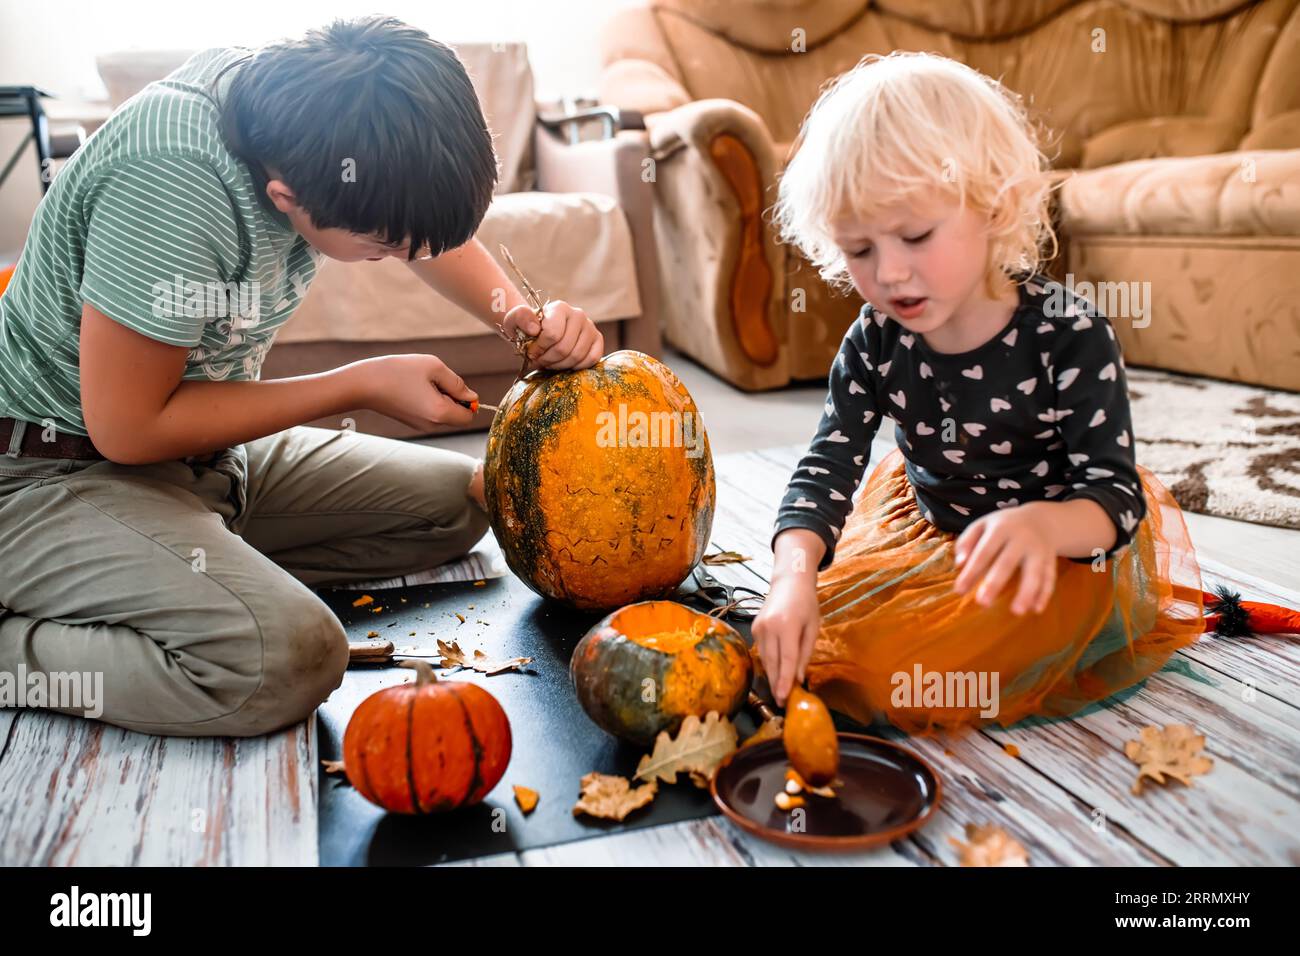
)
(423, 672)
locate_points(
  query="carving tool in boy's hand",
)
(475, 405)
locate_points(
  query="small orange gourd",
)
(427, 747)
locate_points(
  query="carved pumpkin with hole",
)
(427, 747)
(647, 666)
(599, 483)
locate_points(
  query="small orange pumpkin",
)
(599, 483)
(427, 747)
(647, 666)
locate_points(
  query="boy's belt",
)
(30, 442)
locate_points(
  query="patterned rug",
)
(1220, 448)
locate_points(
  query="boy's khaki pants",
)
(186, 583)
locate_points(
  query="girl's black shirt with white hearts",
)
(1039, 412)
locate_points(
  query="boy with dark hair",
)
(162, 511)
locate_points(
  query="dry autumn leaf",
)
(612, 798)
(697, 750)
(726, 557)
(526, 798)
(453, 656)
(989, 845)
(1174, 750)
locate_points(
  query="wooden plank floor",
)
(80, 792)
(75, 791)
(1066, 796)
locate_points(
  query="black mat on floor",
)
(555, 743)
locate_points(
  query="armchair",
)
(1176, 135)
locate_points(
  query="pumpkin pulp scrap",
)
(810, 739)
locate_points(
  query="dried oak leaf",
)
(772, 729)
(612, 798)
(726, 557)
(453, 656)
(1174, 750)
(989, 845)
(526, 798)
(333, 766)
(698, 748)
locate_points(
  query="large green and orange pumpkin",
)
(649, 665)
(599, 483)
(427, 747)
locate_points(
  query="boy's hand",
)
(996, 546)
(566, 338)
(416, 389)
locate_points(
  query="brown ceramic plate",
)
(885, 793)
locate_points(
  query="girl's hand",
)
(786, 630)
(566, 338)
(996, 546)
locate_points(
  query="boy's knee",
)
(476, 526)
(475, 489)
(304, 657)
(458, 535)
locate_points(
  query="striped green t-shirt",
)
(158, 225)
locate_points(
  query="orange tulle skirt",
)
(898, 644)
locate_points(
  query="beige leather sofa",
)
(1177, 134)
(576, 218)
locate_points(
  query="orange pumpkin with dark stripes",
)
(647, 666)
(599, 483)
(427, 747)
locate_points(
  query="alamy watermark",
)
(658, 429)
(192, 299)
(76, 908)
(66, 690)
(946, 690)
(1115, 300)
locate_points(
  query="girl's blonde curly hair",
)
(913, 126)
